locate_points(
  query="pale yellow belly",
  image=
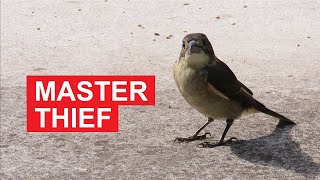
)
(194, 88)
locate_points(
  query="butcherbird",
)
(209, 86)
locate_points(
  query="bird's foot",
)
(220, 143)
(282, 124)
(192, 138)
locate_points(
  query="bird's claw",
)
(220, 143)
(229, 141)
(209, 145)
(192, 138)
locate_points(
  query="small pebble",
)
(186, 4)
(140, 26)
(156, 34)
(38, 28)
(218, 17)
(233, 24)
(39, 69)
(169, 37)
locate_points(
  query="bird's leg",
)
(221, 142)
(195, 136)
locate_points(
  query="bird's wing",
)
(246, 88)
(222, 81)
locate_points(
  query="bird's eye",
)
(204, 42)
(183, 45)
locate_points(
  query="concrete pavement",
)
(272, 46)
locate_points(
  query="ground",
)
(272, 46)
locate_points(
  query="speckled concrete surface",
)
(272, 46)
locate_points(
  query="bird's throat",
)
(197, 60)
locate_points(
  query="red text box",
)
(83, 103)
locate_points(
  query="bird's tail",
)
(283, 121)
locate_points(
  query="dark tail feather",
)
(283, 121)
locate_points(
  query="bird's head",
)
(196, 50)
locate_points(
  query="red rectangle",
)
(83, 103)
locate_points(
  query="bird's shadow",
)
(277, 149)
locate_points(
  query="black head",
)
(194, 43)
(197, 50)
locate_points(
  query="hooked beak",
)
(194, 47)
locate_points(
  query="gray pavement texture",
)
(272, 46)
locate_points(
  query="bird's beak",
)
(194, 47)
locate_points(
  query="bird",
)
(210, 87)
